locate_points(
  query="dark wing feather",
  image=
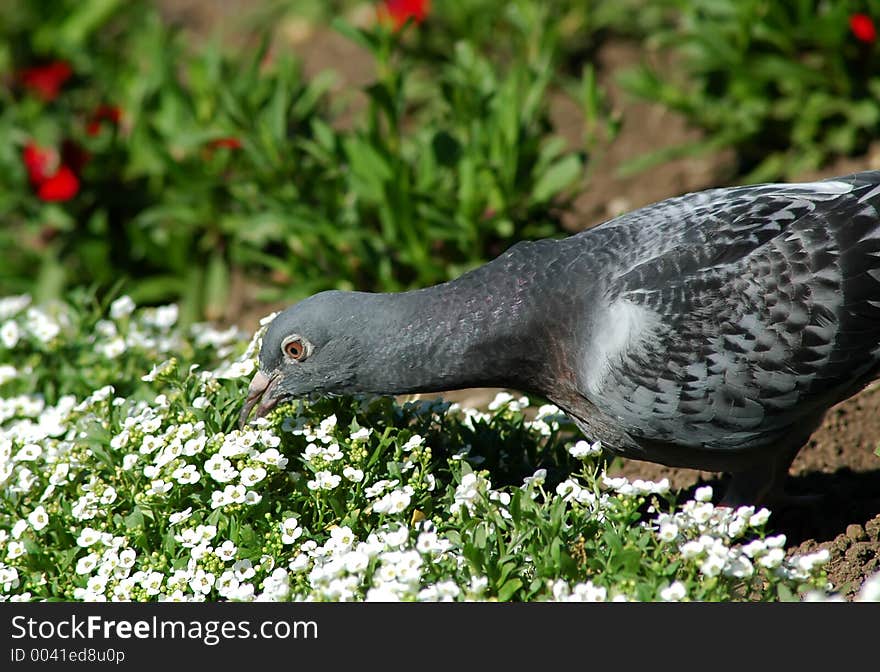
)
(760, 306)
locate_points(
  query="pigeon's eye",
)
(295, 348)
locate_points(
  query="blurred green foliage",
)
(788, 85)
(198, 164)
(227, 162)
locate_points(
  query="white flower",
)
(272, 457)
(164, 317)
(378, 487)
(619, 484)
(87, 563)
(587, 592)
(773, 558)
(149, 444)
(356, 562)
(503, 399)
(44, 328)
(15, 549)
(276, 586)
(244, 569)
(328, 424)
(220, 469)
(38, 518)
(159, 487)
(238, 369)
(251, 476)
(712, 565)
(536, 479)
(702, 513)
(290, 530)
(691, 549)
(395, 501)
(206, 532)
(127, 557)
(227, 585)
(121, 307)
(808, 562)
(775, 541)
(341, 538)
(759, 518)
(218, 499)
(202, 582)
(300, 563)
(668, 532)
(429, 543)
(754, 548)
(674, 592)
(29, 453)
(569, 489)
(112, 349)
(395, 538)
(415, 441)
(226, 551)
(361, 434)
(180, 516)
(467, 493)
(12, 305)
(353, 474)
(703, 494)
(736, 528)
(96, 584)
(186, 474)
(739, 567)
(384, 592)
(870, 590)
(7, 373)
(87, 537)
(324, 480)
(583, 449)
(108, 496)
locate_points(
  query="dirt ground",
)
(839, 462)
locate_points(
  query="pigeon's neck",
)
(482, 330)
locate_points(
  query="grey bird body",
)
(710, 331)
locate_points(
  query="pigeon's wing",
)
(757, 309)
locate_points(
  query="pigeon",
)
(711, 330)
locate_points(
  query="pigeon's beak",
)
(260, 394)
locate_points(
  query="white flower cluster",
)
(709, 536)
(92, 472)
(390, 565)
(582, 592)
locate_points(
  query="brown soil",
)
(839, 462)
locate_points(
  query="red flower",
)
(103, 113)
(226, 143)
(62, 186)
(45, 81)
(862, 27)
(52, 180)
(40, 162)
(399, 11)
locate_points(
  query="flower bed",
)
(124, 478)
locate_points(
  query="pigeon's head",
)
(314, 347)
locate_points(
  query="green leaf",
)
(364, 38)
(216, 287)
(557, 178)
(134, 520)
(508, 589)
